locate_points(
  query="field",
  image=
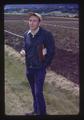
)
(66, 35)
(58, 26)
(18, 98)
(64, 68)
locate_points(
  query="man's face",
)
(34, 22)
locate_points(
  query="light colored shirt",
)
(33, 33)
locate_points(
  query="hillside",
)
(18, 99)
(66, 34)
(71, 8)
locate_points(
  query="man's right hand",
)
(22, 53)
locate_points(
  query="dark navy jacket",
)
(31, 48)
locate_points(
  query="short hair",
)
(34, 14)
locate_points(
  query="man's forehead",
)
(34, 18)
(35, 15)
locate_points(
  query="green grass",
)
(18, 98)
(17, 86)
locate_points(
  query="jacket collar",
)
(33, 34)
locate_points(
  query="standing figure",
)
(38, 49)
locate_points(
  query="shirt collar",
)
(34, 32)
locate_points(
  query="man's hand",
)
(22, 53)
(44, 51)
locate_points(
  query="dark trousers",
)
(36, 79)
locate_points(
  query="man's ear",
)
(40, 23)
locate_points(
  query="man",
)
(39, 50)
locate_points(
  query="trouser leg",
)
(39, 82)
(30, 77)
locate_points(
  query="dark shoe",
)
(32, 113)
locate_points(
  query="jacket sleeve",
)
(50, 45)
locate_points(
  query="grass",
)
(16, 87)
(18, 98)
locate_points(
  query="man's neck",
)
(33, 32)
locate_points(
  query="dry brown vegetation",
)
(18, 98)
